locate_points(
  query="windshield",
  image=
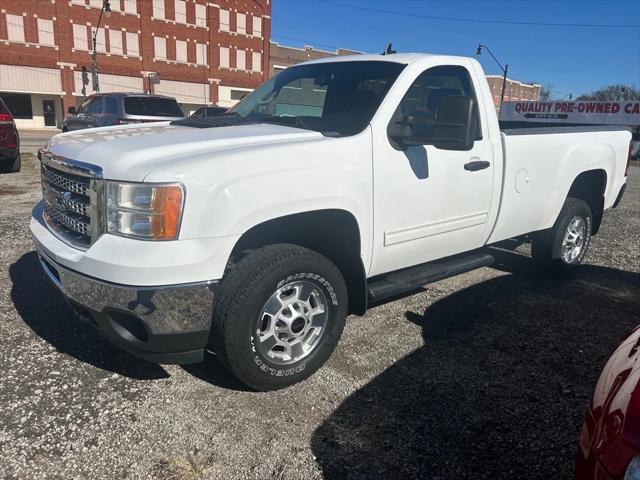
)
(152, 107)
(337, 98)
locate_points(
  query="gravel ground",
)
(483, 376)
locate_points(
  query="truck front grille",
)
(73, 198)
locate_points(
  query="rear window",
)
(152, 107)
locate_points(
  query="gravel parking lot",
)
(482, 376)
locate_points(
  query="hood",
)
(130, 152)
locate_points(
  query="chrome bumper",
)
(164, 324)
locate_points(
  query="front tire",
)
(279, 315)
(559, 250)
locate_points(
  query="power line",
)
(475, 20)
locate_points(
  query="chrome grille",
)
(65, 183)
(72, 195)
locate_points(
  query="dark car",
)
(9, 141)
(609, 446)
(102, 110)
(206, 112)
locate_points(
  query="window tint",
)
(423, 98)
(83, 105)
(152, 107)
(95, 106)
(110, 105)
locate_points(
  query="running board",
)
(393, 284)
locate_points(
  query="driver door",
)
(429, 203)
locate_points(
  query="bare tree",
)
(613, 93)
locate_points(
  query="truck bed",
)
(540, 164)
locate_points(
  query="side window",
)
(423, 99)
(110, 105)
(95, 106)
(83, 106)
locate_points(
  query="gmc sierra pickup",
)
(336, 184)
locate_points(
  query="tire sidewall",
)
(580, 209)
(261, 369)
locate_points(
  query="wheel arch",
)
(334, 233)
(590, 187)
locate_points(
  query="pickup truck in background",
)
(335, 185)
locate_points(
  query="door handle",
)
(476, 165)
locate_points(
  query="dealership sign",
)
(608, 113)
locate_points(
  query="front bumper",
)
(163, 324)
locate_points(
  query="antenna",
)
(389, 50)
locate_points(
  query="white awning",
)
(109, 83)
(15, 78)
(184, 92)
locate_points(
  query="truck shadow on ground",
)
(499, 388)
(45, 311)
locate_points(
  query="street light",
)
(106, 10)
(504, 70)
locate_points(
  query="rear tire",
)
(279, 315)
(12, 166)
(560, 249)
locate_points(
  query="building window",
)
(181, 11)
(224, 57)
(45, 32)
(257, 26)
(158, 9)
(224, 21)
(101, 43)
(95, 3)
(241, 59)
(130, 6)
(201, 54)
(201, 15)
(160, 47)
(133, 48)
(241, 26)
(15, 28)
(115, 42)
(181, 51)
(80, 39)
(18, 104)
(256, 62)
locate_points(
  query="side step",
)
(393, 284)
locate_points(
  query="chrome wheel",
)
(574, 239)
(292, 322)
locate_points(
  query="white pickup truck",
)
(335, 185)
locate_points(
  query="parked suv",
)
(9, 141)
(108, 109)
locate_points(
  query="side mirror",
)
(452, 129)
(71, 110)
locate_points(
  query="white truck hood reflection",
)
(131, 152)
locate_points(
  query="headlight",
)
(146, 211)
(633, 469)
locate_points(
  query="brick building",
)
(204, 53)
(283, 56)
(514, 91)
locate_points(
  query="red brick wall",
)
(65, 14)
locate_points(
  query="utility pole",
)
(504, 71)
(106, 9)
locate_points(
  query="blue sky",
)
(572, 59)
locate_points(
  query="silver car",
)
(105, 109)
